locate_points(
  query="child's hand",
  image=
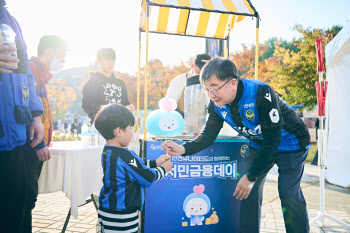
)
(162, 159)
(167, 166)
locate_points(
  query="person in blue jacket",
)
(277, 136)
(19, 107)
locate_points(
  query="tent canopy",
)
(199, 18)
(337, 110)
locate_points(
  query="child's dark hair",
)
(111, 117)
(106, 53)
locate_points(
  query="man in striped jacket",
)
(125, 174)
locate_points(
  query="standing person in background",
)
(59, 124)
(66, 126)
(196, 101)
(176, 91)
(104, 87)
(74, 125)
(19, 107)
(51, 56)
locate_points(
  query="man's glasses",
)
(215, 91)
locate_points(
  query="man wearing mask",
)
(104, 87)
(51, 56)
(19, 107)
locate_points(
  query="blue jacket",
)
(12, 133)
(253, 123)
(259, 115)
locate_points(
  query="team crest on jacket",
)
(249, 114)
(25, 92)
(274, 115)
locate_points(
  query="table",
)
(74, 169)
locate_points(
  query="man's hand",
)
(6, 61)
(243, 188)
(173, 148)
(131, 107)
(162, 159)
(43, 154)
(167, 166)
(36, 128)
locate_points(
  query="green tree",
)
(295, 71)
(270, 46)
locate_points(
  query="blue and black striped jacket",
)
(125, 177)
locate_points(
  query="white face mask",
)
(56, 65)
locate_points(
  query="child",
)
(125, 174)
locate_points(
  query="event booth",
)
(337, 108)
(205, 181)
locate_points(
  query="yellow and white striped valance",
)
(202, 18)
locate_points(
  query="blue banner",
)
(196, 196)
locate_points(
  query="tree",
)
(245, 63)
(270, 50)
(61, 96)
(295, 72)
(159, 78)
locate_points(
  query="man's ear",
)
(234, 81)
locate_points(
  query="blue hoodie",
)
(13, 134)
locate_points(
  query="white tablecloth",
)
(74, 169)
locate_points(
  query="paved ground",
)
(51, 209)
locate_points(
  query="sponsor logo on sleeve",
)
(274, 116)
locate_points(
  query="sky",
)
(90, 25)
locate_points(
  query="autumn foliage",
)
(159, 77)
(61, 95)
(288, 66)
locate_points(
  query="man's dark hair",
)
(201, 60)
(105, 53)
(111, 117)
(223, 69)
(52, 42)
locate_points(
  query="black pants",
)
(33, 169)
(13, 191)
(290, 169)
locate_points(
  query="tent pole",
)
(146, 73)
(226, 48)
(138, 88)
(322, 150)
(257, 48)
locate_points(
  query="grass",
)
(312, 152)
